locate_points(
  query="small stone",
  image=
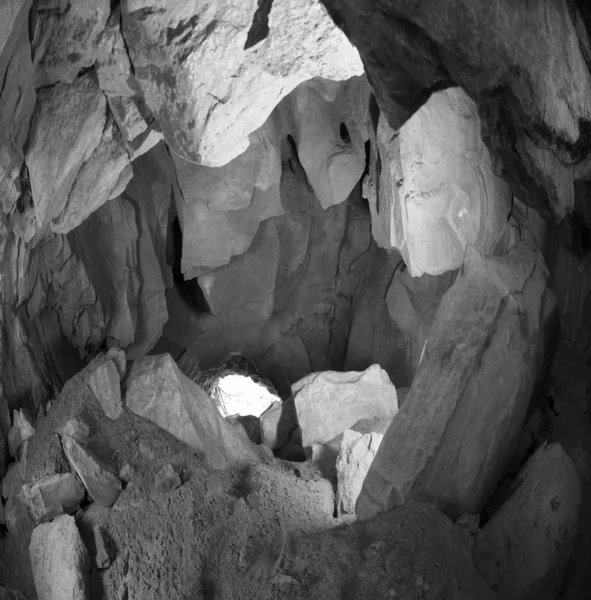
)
(59, 560)
(105, 382)
(469, 522)
(167, 479)
(119, 359)
(22, 421)
(22, 463)
(105, 552)
(15, 441)
(77, 429)
(127, 473)
(53, 496)
(101, 483)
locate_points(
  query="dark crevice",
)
(188, 289)
(344, 133)
(259, 28)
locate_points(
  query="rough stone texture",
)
(436, 190)
(53, 496)
(211, 78)
(106, 386)
(59, 561)
(17, 101)
(22, 421)
(167, 479)
(220, 209)
(456, 432)
(89, 165)
(409, 49)
(328, 403)
(523, 551)
(100, 481)
(64, 36)
(242, 293)
(278, 423)
(356, 454)
(77, 429)
(329, 128)
(8, 594)
(157, 390)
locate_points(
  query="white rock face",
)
(437, 191)
(210, 84)
(329, 402)
(356, 454)
(59, 560)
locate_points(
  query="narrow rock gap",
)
(259, 28)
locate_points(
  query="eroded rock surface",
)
(481, 355)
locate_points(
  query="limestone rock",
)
(225, 66)
(88, 167)
(64, 38)
(486, 48)
(242, 293)
(437, 189)
(220, 209)
(167, 479)
(59, 561)
(53, 496)
(105, 551)
(8, 594)
(330, 134)
(278, 423)
(23, 423)
(249, 424)
(458, 428)
(105, 384)
(356, 454)
(17, 102)
(523, 551)
(327, 403)
(101, 483)
(77, 429)
(158, 391)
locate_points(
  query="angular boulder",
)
(158, 391)
(59, 561)
(329, 402)
(229, 66)
(278, 423)
(458, 428)
(53, 496)
(356, 454)
(100, 481)
(106, 385)
(523, 551)
(437, 188)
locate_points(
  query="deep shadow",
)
(259, 28)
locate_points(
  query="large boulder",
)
(523, 551)
(212, 72)
(410, 50)
(328, 402)
(158, 391)
(437, 190)
(59, 561)
(456, 432)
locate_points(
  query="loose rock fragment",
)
(53, 496)
(167, 479)
(278, 423)
(77, 429)
(59, 561)
(101, 483)
(106, 386)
